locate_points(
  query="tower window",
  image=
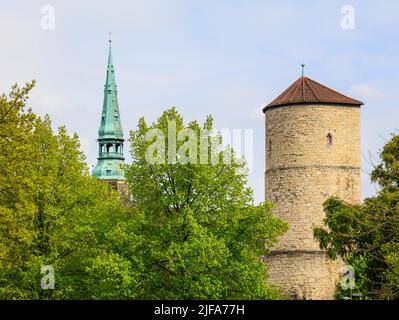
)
(329, 139)
(270, 145)
(109, 147)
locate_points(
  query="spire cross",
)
(303, 69)
(110, 39)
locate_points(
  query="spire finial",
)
(110, 40)
(303, 69)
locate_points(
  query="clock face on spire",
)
(110, 133)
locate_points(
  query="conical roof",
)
(305, 90)
(110, 127)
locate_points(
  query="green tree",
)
(194, 227)
(191, 230)
(51, 210)
(367, 235)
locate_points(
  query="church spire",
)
(110, 134)
(110, 63)
(110, 121)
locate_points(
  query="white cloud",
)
(19, 49)
(44, 101)
(366, 92)
(87, 145)
(257, 113)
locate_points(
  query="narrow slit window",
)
(270, 145)
(329, 139)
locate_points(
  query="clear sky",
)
(227, 58)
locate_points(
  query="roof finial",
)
(110, 39)
(303, 69)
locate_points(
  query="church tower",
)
(110, 135)
(312, 153)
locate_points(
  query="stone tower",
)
(312, 153)
(110, 135)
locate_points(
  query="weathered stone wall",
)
(298, 136)
(299, 193)
(312, 153)
(305, 275)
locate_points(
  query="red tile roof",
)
(305, 90)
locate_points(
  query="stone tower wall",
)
(302, 171)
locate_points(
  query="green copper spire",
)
(110, 135)
(110, 120)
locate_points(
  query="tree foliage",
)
(199, 233)
(190, 231)
(49, 205)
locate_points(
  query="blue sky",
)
(225, 58)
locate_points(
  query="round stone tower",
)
(312, 153)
